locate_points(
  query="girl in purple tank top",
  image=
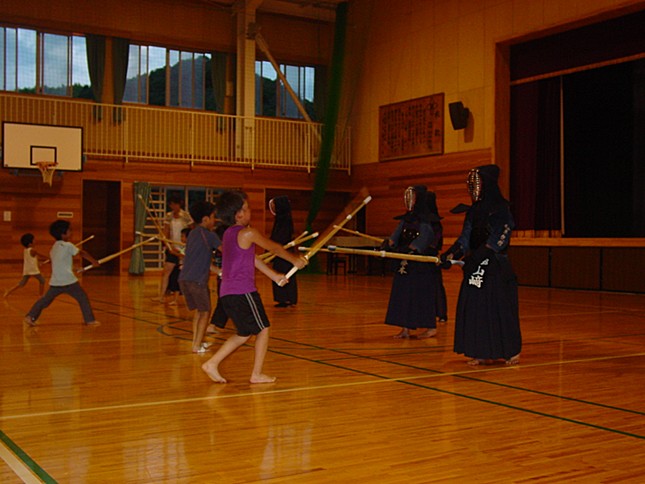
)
(238, 293)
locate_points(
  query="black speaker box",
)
(458, 115)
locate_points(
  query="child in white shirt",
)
(30, 265)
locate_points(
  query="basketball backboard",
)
(24, 145)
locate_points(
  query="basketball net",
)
(47, 169)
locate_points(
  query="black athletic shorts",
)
(247, 312)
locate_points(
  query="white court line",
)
(376, 380)
(18, 466)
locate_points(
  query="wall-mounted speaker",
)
(458, 115)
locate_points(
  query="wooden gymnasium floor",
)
(127, 401)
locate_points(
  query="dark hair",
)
(201, 209)
(27, 239)
(229, 204)
(58, 228)
(176, 198)
(186, 231)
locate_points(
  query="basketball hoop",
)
(47, 169)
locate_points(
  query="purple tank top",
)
(238, 265)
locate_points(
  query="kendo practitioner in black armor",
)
(487, 325)
(414, 286)
(282, 233)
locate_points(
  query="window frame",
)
(40, 61)
(173, 92)
(283, 102)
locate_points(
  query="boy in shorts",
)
(63, 280)
(238, 293)
(193, 278)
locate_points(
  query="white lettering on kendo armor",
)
(477, 277)
(502, 239)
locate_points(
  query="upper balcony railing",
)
(154, 134)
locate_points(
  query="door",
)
(102, 219)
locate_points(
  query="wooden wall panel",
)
(531, 264)
(34, 205)
(575, 267)
(445, 175)
(623, 269)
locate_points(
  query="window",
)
(45, 63)
(167, 77)
(146, 66)
(271, 96)
(153, 253)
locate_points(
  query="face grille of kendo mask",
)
(474, 184)
(410, 198)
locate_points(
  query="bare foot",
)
(262, 378)
(159, 299)
(514, 360)
(212, 329)
(29, 321)
(427, 334)
(93, 323)
(212, 373)
(480, 361)
(404, 334)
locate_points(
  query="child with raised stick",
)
(30, 265)
(63, 280)
(193, 278)
(238, 292)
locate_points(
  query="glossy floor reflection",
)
(128, 402)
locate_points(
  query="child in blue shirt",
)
(193, 278)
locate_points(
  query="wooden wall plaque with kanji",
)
(411, 128)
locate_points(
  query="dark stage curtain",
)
(535, 155)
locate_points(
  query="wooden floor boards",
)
(128, 402)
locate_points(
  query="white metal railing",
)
(155, 134)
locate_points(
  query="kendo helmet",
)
(482, 179)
